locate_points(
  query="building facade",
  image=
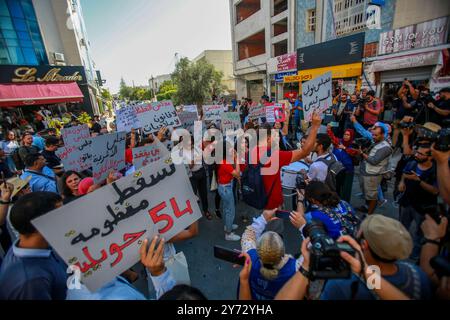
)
(261, 30)
(222, 60)
(51, 33)
(402, 39)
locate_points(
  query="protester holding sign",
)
(317, 95)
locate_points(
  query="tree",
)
(196, 81)
(125, 91)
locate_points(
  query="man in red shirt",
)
(279, 159)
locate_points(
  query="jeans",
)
(407, 215)
(199, 185)
(229, 207)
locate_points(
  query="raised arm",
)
(308, 147)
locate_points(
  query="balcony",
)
(279, 6)
(246, 9)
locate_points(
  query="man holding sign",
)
(317, 95)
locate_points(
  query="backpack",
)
(335, 168)
(252, 184)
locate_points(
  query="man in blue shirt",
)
(42, 177)
(30, 269)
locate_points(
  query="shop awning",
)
(15, 95)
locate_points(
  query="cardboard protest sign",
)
(108, 153)
(275, 113)
(101, 234)
(317, 95)
(231, 121)
(257, 111)
(192, 108)
(76, 158)
(126, 119)
(156, 115)
(188, 120)
(212, 112)
(75, 136)
(146, 155)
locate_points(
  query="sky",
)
(136, 39)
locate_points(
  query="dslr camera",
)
(325, 261)
(407, 125)
(440, 139)
(362, 143)
(300, 182)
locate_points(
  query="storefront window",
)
(20, 33)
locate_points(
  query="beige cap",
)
(432, 127)
(18, 184)
(387, 237)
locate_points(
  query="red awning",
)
(14, 95)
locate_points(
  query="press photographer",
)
(440, 110)
(382, 242)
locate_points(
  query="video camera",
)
(362, 143)
(440, 139)
(407, 125)
(325, 261)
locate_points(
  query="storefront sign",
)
(41, 74)
(422, 35)
(338, 72)
(404, 62)
(345, 50)
(280, 77)
(440, 83)
(282, 63)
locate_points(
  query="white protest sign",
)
(75, 136)
(317, 95)
(76, 158)
(257, 111)
(156, 115)
(126, 119)
(146, 155)
(101, 234)
(212, 112)
(231, 121)
(192, 108)
(188, 120)
(108, 153)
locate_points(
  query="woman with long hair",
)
(70, 184)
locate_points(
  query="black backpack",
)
(335, 168)
(18, 160)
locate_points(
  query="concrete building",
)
(222, 60)
(51, 33)
(261, 30)
(156, 82)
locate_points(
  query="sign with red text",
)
(75, 136)
(231, 121)
(317, 95)
(126, 119)
(211, 113)
(101, 234)
(157, 115)
(146, 155)
(108, 153)
(257, 111)
(76, 157)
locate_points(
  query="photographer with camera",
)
(383, 243)
(370, 109)
(337, 216)
(374, 164)
(440, 110)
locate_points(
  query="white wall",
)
(409, 12)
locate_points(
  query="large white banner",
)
(154, 116)
(108, 153)
(101, 234)
(317, 95)
(212, 112)
(126, 119)
(231, 121)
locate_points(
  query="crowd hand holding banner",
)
(317, 95)
(76, 154)
(212, 113)
(101, 233)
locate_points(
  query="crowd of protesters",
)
(406, 155)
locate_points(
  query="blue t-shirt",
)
(409, 278)
(333, 226)
(41, 182)
(263, 289)
(345, 159)
(31, 274)
(39, 142)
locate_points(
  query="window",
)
(311, 22)
(350, 16)
(247, 8)
(20, 37)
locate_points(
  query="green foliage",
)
(84, 118)
(168, 95)
(125, 91)
(196, 82)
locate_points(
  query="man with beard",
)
(420, 193)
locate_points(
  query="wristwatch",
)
(436, 242)
(305, 273)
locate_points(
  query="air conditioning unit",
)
(59, 57)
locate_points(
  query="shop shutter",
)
(423, 73)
